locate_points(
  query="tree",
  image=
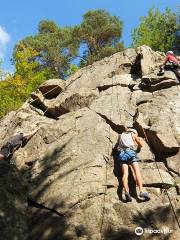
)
(100, 33)
(55, 46)
(16, 88)
(157, 30)
(51, 53)
(58, 47)
(10, 96)
(26, 64)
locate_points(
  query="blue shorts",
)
(128, 156)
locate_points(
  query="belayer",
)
(128, 143)
(171, 63)
(14, 143)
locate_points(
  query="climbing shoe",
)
(128, 197)
(144, 195)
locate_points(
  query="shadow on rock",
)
(46, 225)
(48, 218)
(152, 222)
(13, 214)
(118, 173)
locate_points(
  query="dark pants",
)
(174, 68)
(6, 151)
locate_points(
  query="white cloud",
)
(4, 39)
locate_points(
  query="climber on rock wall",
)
(171, 63)
(14, 143)
(128, 143)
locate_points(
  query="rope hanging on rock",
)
(169, 198)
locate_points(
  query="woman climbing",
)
(171, 63)
(128, 142)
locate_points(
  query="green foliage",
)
(55, 46)
(157, 30)
(15, 89)
(26, 65)
(102, 53)
(100, 33)
(50, 54)
(46, 26)
(72, 69)
(9, 96)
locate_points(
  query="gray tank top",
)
(126, 141)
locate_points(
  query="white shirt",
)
(126, 141)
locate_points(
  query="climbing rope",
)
(169, 198)
(30, 103)
(117, 96)
(119, 108)
(51, 90)
(71, 82)
(105, 192)
(110, 149)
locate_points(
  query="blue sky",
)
(20, 18)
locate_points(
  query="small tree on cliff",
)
(100, 33)
(157, 30)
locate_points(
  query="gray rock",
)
(173, 163)
(153, 82)
(70, 164)
(148, 59)
(52, 88)
(155, 175)
(13, 204)
(144, 98)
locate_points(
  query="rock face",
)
(70, 164)
(13, 204)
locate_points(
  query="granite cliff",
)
(66, 183)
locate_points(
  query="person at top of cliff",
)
(128, 143)
(14, 143)
(170, 63)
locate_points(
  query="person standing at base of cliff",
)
(127, 143)
(14, 143)
(171, 63)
